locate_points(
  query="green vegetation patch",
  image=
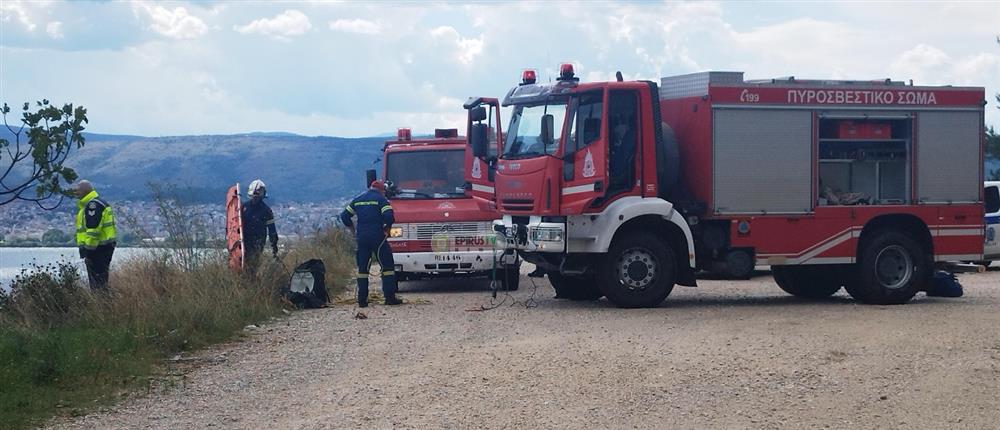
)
(65, 349)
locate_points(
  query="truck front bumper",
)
(451, 262)
(533, 236)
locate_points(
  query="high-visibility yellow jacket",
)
(95, 224)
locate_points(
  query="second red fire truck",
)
(624, 189)
(440, 229)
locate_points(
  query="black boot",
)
(537, 273)
(393, 301)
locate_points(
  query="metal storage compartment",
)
(949, 157)
(762, 161)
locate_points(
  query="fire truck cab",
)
(440, 229)
(624, 189)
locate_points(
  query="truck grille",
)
(426, 231)
(518, 204)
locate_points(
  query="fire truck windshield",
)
(434, 174)
(524, 136)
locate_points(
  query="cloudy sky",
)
(359, 69)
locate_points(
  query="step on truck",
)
(440, 230)
(624, 189)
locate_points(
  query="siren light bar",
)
(566, 72)
(403, 133)
(528, 77)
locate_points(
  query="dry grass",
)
(65, 348)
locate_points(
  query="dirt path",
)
(730, 354)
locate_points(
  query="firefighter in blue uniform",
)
(374, 220)
(258, 226)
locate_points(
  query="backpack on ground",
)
(307, 286)
(945, 285)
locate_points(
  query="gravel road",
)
(729, 354)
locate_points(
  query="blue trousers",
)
(375, 249)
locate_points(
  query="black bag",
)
(307, 286)
(945, 285)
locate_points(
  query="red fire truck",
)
(440, 229)
(624, 189)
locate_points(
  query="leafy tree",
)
(993, 143)
(993, 150)
(34, 160)
(55, 237)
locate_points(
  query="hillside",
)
(296, 168)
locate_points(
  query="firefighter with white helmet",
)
(258, 225)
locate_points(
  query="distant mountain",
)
(294, 167)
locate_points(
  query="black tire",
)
(892, 269)
(984, 263)
(639, 271)
(574, 288)
(808, 282)
(509, 277)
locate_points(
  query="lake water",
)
(13, 260)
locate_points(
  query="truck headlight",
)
(396, 232)
(546, 235)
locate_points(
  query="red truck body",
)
(823, 234)
(862, 184)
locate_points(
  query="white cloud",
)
(283, 26)
(466, 49)
(15, 10)
(54, 30)
(359, 26)
(176, 23)
(929, 65)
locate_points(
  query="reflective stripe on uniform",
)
(388, 273)
(349, 209)
(386, 208)
(269, 222)
(366, 203)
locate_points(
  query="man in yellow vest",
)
(95, 233)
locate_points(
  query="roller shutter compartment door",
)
(762, 161)
(948, 159)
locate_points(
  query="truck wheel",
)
(574, 288)
(892, 268)
(638, 271)
(807, 282)
(510, 277)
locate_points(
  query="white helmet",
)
(257, 188)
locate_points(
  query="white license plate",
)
(439, 257)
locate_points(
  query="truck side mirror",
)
(547, 135)
(477, 113)
(479, 139)
(370, 177)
